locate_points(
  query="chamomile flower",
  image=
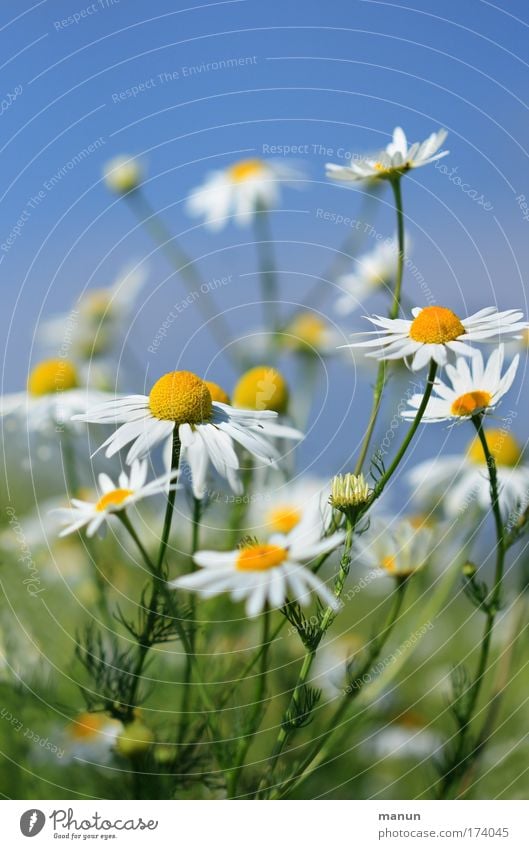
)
(434, 332)
(474, 388)
(282, 506)
(309, 333)
(374, 272)
(207, 428)
(91, 737)
(458, 481)
(100, 319)
(53, 395)
(122, 174)
(398, 546)
(265, 573)
(262, 388)
(396, 159)
(240, 191)
(130, 488)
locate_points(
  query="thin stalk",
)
(375, 649)
(145, 639)
(256, 714)
(171, 496)
(311, 654)
(183, 265)
(380, 381)
(493, 602)
(240, 507)
(190, 656)
(499, 688)
(381, 483)
(268, 274)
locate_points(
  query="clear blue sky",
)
(340, 74)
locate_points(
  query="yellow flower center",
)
(436, 325)
(246, 169)
(95, 304)
(470, 403)
(52, 376)
(181, 397)
(261, 388)
(259, 558)
(217, 392)
(283, 518)
(308, 328)
(115, 498)
(389, 564)
(505, 449)
(87, 725)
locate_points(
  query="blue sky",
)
(338, 75)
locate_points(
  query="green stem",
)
(268, 274)
(376, 647)
(493, 603)
(171, 496)
(380, 381)
(257, 713)
(146, 559)
(190, 656)
(310, 655)
(381, 483)
(184, 266)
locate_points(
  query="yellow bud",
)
(134, 740)
(261, 388)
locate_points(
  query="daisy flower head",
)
(262, 388)
(435, 332)
(400, 547)
(131, 487)
(91, 737)
(474, 388)
(53, 395)
(458, 481)
(391, 163)
(122, 174)
(283, 506)
(375, 271)
(241, 190)
(349, 493)
(265, 574)
(308, 333)
(183, 403)
(101, 319)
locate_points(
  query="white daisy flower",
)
(265, 574)
(122, 174)
(399, 546)
(131, 488)
(375, 271)
(282, 506)
(207, 428)
(53, 396)
(458, 481)
(436, 331)
(475, 388)
(239, 191)
(309, 333)
(395, 160)
(91, 737)
(100, 319)
(406, 737)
